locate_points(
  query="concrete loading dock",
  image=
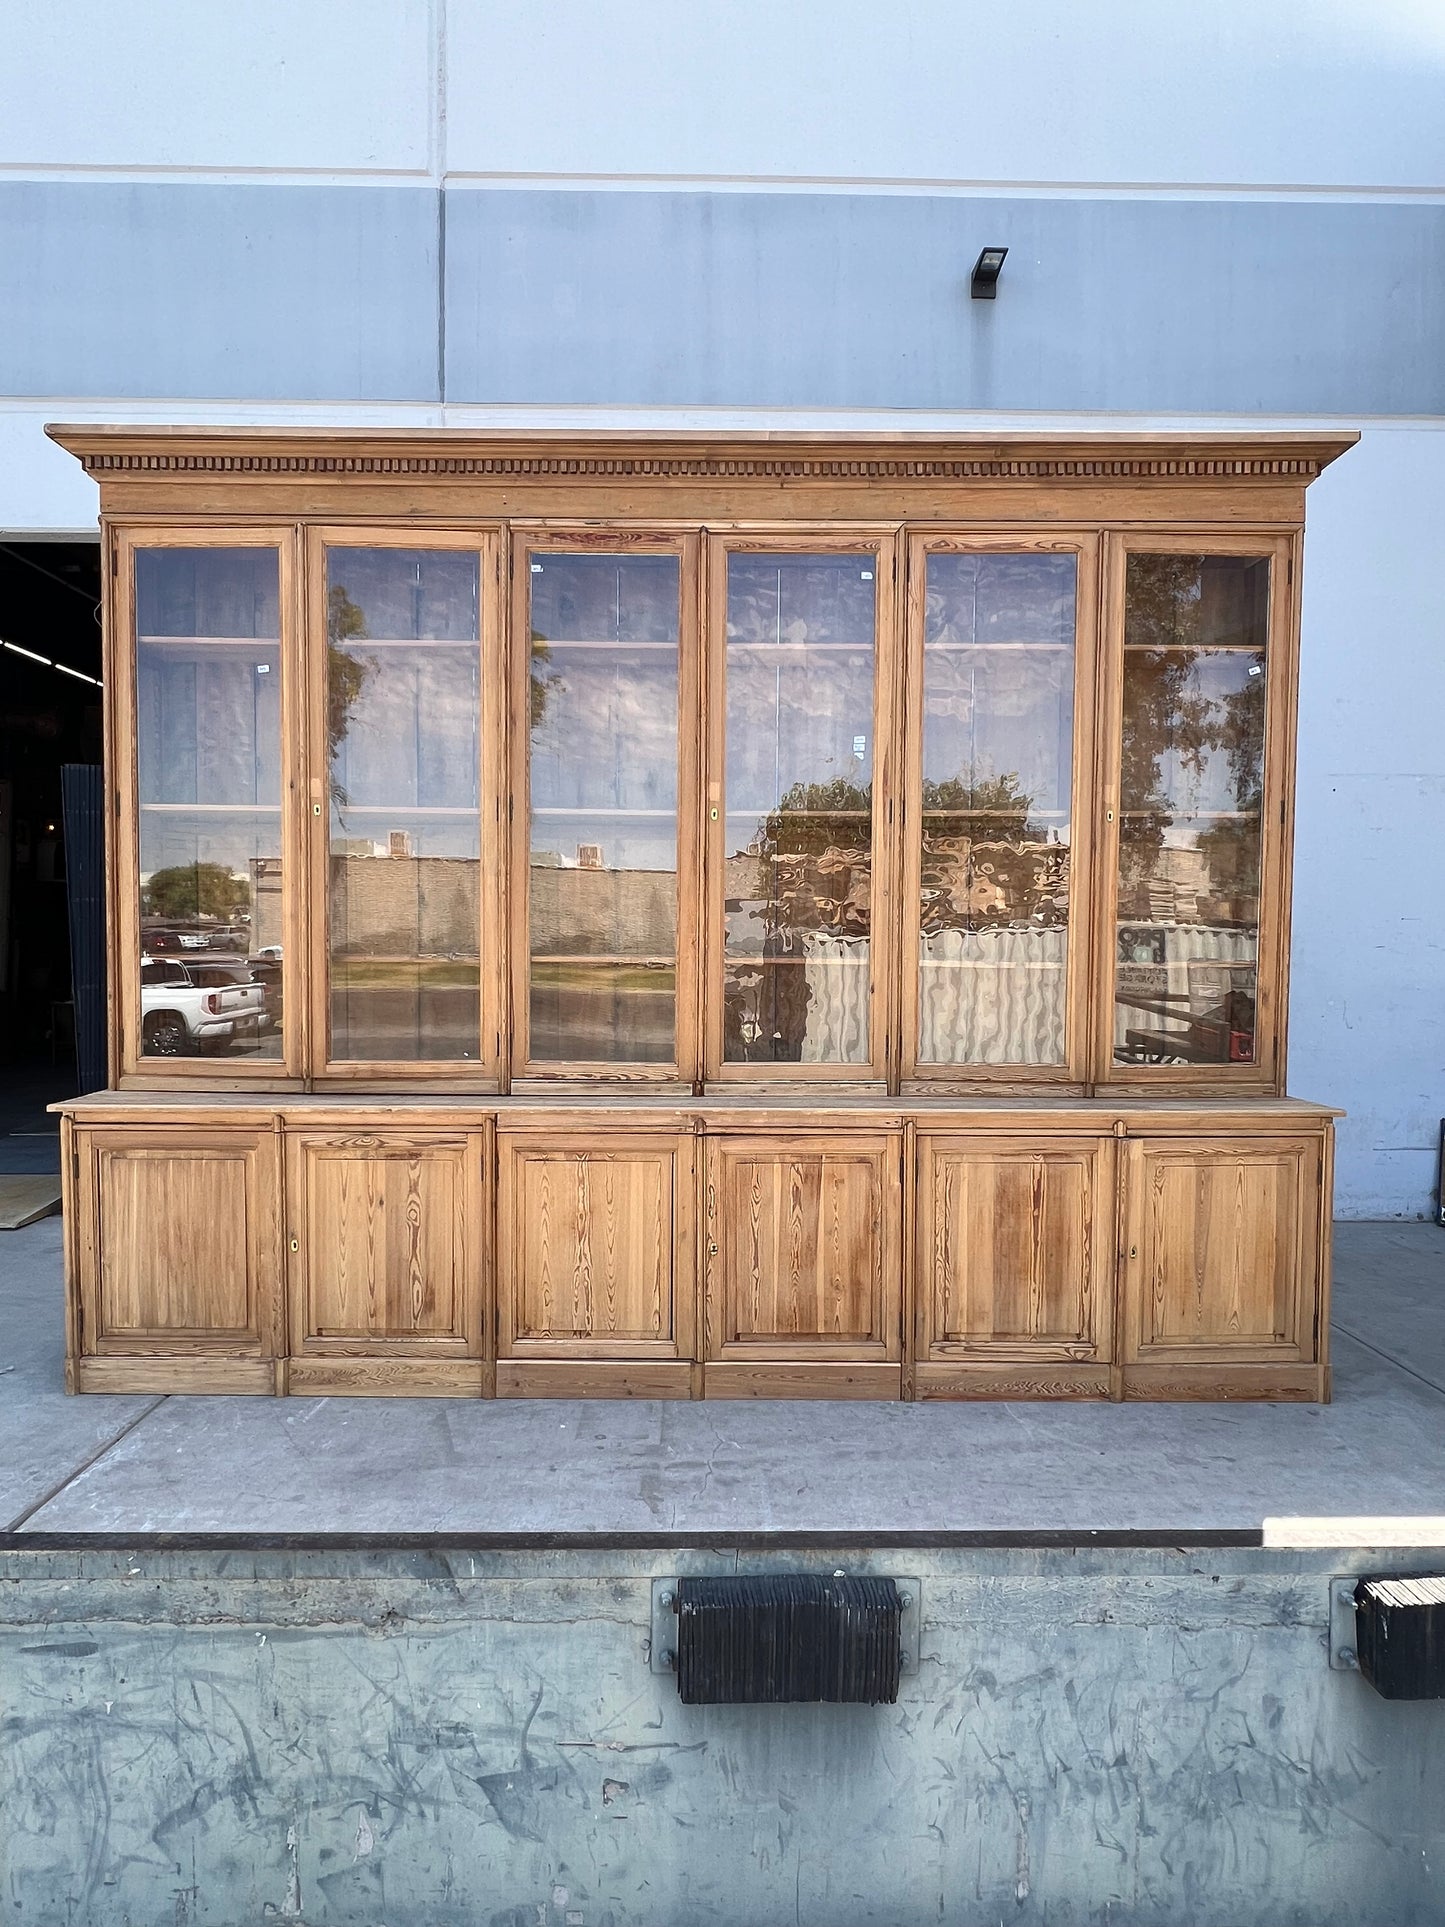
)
(404, 1675)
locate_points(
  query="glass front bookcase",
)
(894, 808)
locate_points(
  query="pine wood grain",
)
(1015, 1249)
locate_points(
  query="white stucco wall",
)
(1290, 104)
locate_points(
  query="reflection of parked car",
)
(265, 969)
(188, 1007)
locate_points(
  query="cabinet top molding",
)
(767, 457)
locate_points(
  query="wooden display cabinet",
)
(803, 1272)
(669, 916)
(596, 1241)
(174, 1243)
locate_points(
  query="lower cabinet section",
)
(174, 1242)
(803, 1266)
(1014, 1275)
(596, 1236)
(634, 1255)
(1221, 1258)
(387, 1243)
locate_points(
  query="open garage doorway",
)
(50, 719)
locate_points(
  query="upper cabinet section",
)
(1198, 766)
(798, 855)
(480, 764)
(998, 840)
(207, 837)
(600, 867)
(404, 764)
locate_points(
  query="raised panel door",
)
(388, 1233)
(178, 1246)
(803, 1247)
(590, 1234)
(1015, 1250)
(1221, 1249)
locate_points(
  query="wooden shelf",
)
(798, 648)
(469, 643)
(971, 648)
(211, 809)
(598, 809)
(547, 644)
(271, 643)
(406, 809)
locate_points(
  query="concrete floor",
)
(1368, 1469)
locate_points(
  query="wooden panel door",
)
(803, 1272)
(1221, 1261)
(387, 1234)
(596, 1235)
(1015, 1266)
(178, 1254)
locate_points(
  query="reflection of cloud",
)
(608, 736)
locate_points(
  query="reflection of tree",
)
(815, 851)
(1231, 848)
(1173, 622)
(984, 864)
(818, 842)
(542, 684)
(195, 890)
(346, 676)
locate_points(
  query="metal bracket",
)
(1343, 1657)
(662, 1644)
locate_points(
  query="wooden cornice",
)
(115, 451)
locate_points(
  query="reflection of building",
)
(384, 904)
(266, 923)
(579, 912)
(1173, 885)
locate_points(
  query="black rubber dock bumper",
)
(1400, 1636)
(789, 1636)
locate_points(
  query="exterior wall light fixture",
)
(986, 271)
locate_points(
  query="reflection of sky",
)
(1000, 598)
(410, 594)
(412, 735)
(605, 598)
(989, 714)
(177, 840)
(606, 740)
(208, 592)
(797, 716)
(208, 724)
(1206, 783)
(992, 711)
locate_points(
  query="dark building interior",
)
(50, 715)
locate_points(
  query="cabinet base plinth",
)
(1280, 1384)
(388, 1377)
(1048, 1379)
(735, 1379)
(170, 1374)
(594, 1378)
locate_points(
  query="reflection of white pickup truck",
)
(187, 1007)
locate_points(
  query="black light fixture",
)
(986, 271)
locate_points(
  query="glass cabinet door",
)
(794, 840)
(599, 983)
(403, 770)
(1192, 825)
(993, 843)
(210, 832)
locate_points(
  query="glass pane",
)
(1192, 784)
(208, 768)
(799, 831)
(403, 730)
(603, 767)
(998, 725)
